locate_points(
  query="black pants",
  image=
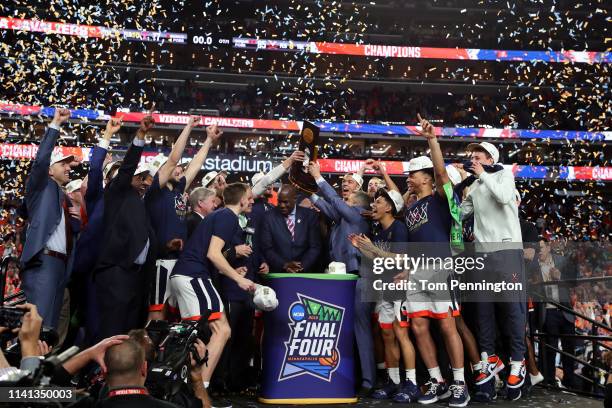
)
(239, 349)
(556, 323)
(510, 311)
(121, 299)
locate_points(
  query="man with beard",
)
(167, 210)
(127, 244)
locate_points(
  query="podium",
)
(308, 340)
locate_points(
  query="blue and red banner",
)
(332, 127)
(311, 47)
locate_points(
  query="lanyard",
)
(128, 391)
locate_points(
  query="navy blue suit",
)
(349, 220)
(278, 247)
(44, 277)
(88, 246)
(89, 241)
(121, 284)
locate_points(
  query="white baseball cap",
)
(74, 185)
(265, 298)
(142, 168)
(487, 147)
(336, 268)
(210, 176)
(257, 178)
(358, 179)
(394, 196)
(58, 156)
(453, 174)
(156, 164)
(110, 166)
(419, 163)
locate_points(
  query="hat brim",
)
(384, 193)
(69, 157)
(476, 147)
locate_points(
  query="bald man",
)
(290, 240)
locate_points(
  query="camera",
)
(174, 344)
(11, 317)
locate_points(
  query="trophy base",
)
(304, 183)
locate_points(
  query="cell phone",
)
(11, 317)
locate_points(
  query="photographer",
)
(125, 369)
(29, 338)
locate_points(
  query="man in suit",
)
(290, 235)
(202, 200)
(128, 243)
(352, 222)
(48, 250)
(87, 247)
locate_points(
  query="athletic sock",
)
(435, 373)
(476, 367)
(206, 384)
(380, 366)
(411, 375)
(458, 374)
(394, 374)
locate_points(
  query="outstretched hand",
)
(60, 116)
(427, 129)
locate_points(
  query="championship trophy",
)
(298, 173)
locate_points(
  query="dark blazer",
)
(88, 246)
(126, 224)
(278, 247)
(193, 220)
(44, 199)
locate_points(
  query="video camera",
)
(174, 344)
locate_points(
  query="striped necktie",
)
(291, 227)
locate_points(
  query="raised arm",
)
(345, 211)
(277, 172)
(382, 170)
(40, 168)
(441, 177)
(174, 158)
(123, 179)
(96, 165)
(213, 133)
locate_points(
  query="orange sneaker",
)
(518, 371)
(491, 365)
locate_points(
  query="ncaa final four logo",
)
(312, 347)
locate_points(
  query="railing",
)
(596, 340)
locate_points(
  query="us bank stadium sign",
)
(312, 347)
(226, 162)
